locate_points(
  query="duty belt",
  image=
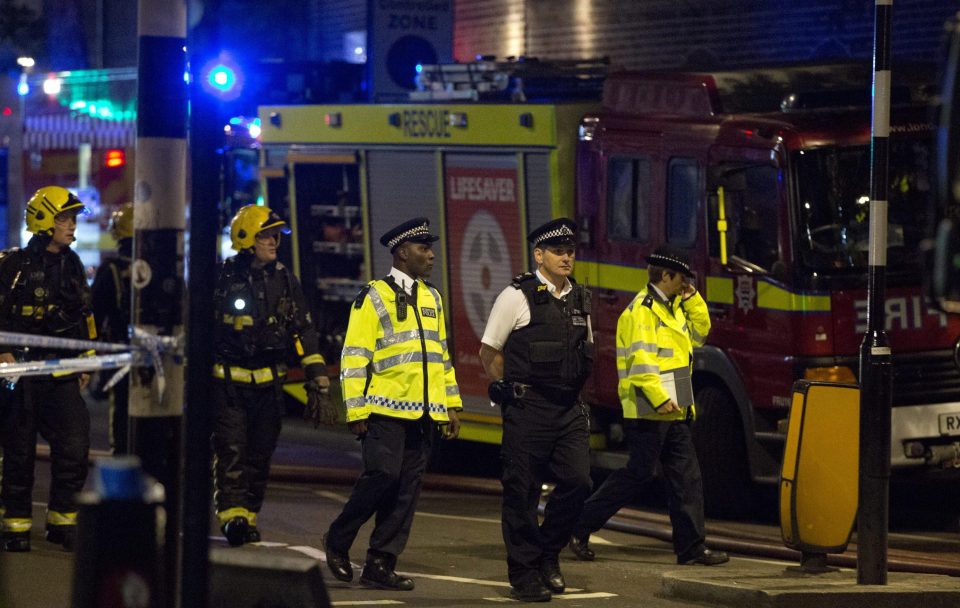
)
(263, 375)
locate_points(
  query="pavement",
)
(760, 584)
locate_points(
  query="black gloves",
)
(502, 392)
(320, 408)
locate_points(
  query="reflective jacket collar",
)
(404, 281)
(667, 311)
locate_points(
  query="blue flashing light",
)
(23, 88)
(222, 77)
(254, 130)
(419, 68)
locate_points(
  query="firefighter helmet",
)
(251, 220)
(121, 222)
(45, 204)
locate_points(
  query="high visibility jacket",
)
(655, 341)
(397, 366)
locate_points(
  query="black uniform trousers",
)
(246, 425)
(650, 442)
(54, 408)
(542, 440)
(395, 455)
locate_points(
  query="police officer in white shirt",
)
(537, 351)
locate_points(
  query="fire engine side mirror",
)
(945, 283)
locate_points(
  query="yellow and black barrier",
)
(820, 474)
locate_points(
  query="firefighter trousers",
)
(246, 426)
(54, 408)
(395, 455)
(650, 442)
(542, 441)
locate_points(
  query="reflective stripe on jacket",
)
(393, 367)
(655, 344)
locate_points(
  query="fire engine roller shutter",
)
(403, 185)
(539, 193)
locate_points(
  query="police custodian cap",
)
(416, 230)
(560, 231)
(670, 258)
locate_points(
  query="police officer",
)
(261, 320)
(43, 290)
(656, 335)
(537, 349)
(111, 306)
(398, 385)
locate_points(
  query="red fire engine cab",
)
(764, 177)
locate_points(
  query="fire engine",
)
(762, 175)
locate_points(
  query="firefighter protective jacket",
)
(111, 294)
(655, 341)
(45, 293)
(262, 321)
(395, 360)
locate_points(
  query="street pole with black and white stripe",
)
(876, 379)
(157, 272)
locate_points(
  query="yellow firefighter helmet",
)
(121, 222)
(46, 203)
(251, 220)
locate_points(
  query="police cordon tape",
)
(146, 350)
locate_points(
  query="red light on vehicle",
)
(7, 110)
(116, 158)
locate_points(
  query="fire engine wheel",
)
(722, 452)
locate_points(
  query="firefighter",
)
(111, 306)
(656, 335)
(398, 386)
(537, 350)
(43, 290)
(261, 320)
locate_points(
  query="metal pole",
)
(205, 131)
(876, 380)
(156, 395)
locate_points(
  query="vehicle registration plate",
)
(950, 424)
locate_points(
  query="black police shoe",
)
(338, 562)
(551, 576)
(252, 535)
(531, 591)
(65, 536)
(377, 574)
(16, 542)
(706, 557)
(236, 530)
(581, 548)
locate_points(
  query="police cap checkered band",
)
(555, 232)
(671, 259)
(417, 229)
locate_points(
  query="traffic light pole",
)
(876, 380)
(156, 392)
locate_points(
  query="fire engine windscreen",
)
(833, 205)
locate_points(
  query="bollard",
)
(120, 532)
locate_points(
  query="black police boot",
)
(252, 535)
(704, 557)
(531, 591)
(236, 530)
(65, 536)
(551, 575)
(581, 548)
(378, 574)
(338, 562)
(16, 542)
